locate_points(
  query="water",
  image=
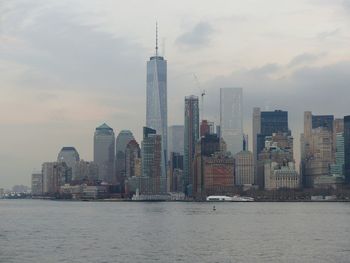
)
(53, 231)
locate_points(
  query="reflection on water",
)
(50, 231)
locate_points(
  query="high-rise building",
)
(151, 161)
(244, 168)
(191, 136)
(86, 171)
(176, 139)
(231, 118)
(55, 174)
(157, 109)
(70, 156)
(256, 130)
(104, 151)
(337, 169)
(123, 138)
(37, 184)
(213, 169)
(206, 127)
(132, 156)
(347, 148)
(176, 165)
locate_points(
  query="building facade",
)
(231, 118)
(123, 138)
(347, 148)
(104, 153)
(37, 184)
(175, 139)
(191, 136)
(244, 168)
(70, 156)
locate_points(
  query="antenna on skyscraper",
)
(156, 39)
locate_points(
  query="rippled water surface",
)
(53, 231)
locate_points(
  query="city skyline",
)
(42, 86)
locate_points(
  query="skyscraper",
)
(176, 139)
(123, 138)
(347, 148)
(231, 118)
(156, 112)
(132, 155)
(104, 153)
(191, 136)
(70, 156)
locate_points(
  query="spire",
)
(156, 39)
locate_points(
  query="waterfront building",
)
(231, 118)
(191, 136)
(279, 176)
(70, 156)
(54, 175)
(347, 148)
(123, 138)
(86, 171)
(156, 105)
(37, 184)
(176, 139)
(104, 153)
(151, 162)
(279, 149)
(244, 168)
(132, 159)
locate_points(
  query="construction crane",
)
(202, 92)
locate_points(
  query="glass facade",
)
(347, 148)
(156, 111)
(231, 118)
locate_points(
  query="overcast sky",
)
(66, 66)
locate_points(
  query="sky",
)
(67, 66)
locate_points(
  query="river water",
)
(61, 231)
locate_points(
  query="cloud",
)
(328, 34)
(305, 58)
(198, 36)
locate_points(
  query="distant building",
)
(157, 106)
(70, 156)
(281, 176)
(132, 157)
(244, 168)
(231, 118)
(191, 136)
(55, 175)
(86, 171)
(175, 169)
(206, 127)
(151, 161)
(104, 151)
(37, 184)
(347, 148)
(123, 138)
(278, 149)
(175, 139)
(337, 169)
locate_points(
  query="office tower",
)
(55, 174)
(175, 172)
(256, 130)
(151, 161)
(213, 170)
(37, 184)
(176, 139)
(104, 150)
(70, 156)
(278, 149)
(318, 146)
(231, 118)
(218, 131)
(86, 171)
(347, 148)
(123, 138)
(132, 158)
(156, 112)
(206, 127)
(337, 169)
(244, 168)
(191, 136)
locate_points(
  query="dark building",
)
(175, 171)
(347, 148)
(325, 121)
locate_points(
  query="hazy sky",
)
(66, 66)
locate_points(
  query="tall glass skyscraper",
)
(347, 148)
(104, 150)
(231, 118)
(156, 112)
(191, 134)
